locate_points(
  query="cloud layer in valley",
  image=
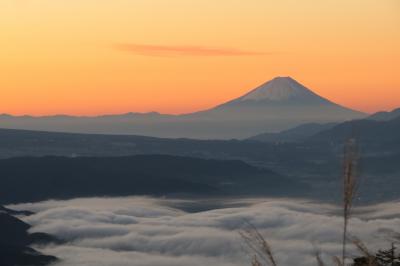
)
(157, 232)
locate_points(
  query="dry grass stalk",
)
(337, 261)
(364, 250)
(259, 245)
(320, 262)
(350, 162)
(255, 261)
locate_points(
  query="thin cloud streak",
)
(182, 50)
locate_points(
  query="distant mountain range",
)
(279, 104)
(311, 153)
(381, 125)
(17, 143)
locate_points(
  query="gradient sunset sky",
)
(88, 57)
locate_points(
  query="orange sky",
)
(114, 56)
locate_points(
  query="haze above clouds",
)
(158, 232)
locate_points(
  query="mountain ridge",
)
(51, 177)
(277, 105)
(385, 116)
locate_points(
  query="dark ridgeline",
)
(15, 241)
(33, 179)
(296, 134)
(385, 116)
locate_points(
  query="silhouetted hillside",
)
(15, 241)
(58, 177)
(365, 130)
(296, 134)
(385, 116)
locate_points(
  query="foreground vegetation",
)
(263, 253)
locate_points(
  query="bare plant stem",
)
(349, 187)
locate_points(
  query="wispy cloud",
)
(182, 50)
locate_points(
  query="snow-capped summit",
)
(278, 89)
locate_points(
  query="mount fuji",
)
(280, 89)
(276, 105)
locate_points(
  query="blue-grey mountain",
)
(279, 104)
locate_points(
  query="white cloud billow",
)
(155, 232)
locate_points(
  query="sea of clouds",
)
(143, 231)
